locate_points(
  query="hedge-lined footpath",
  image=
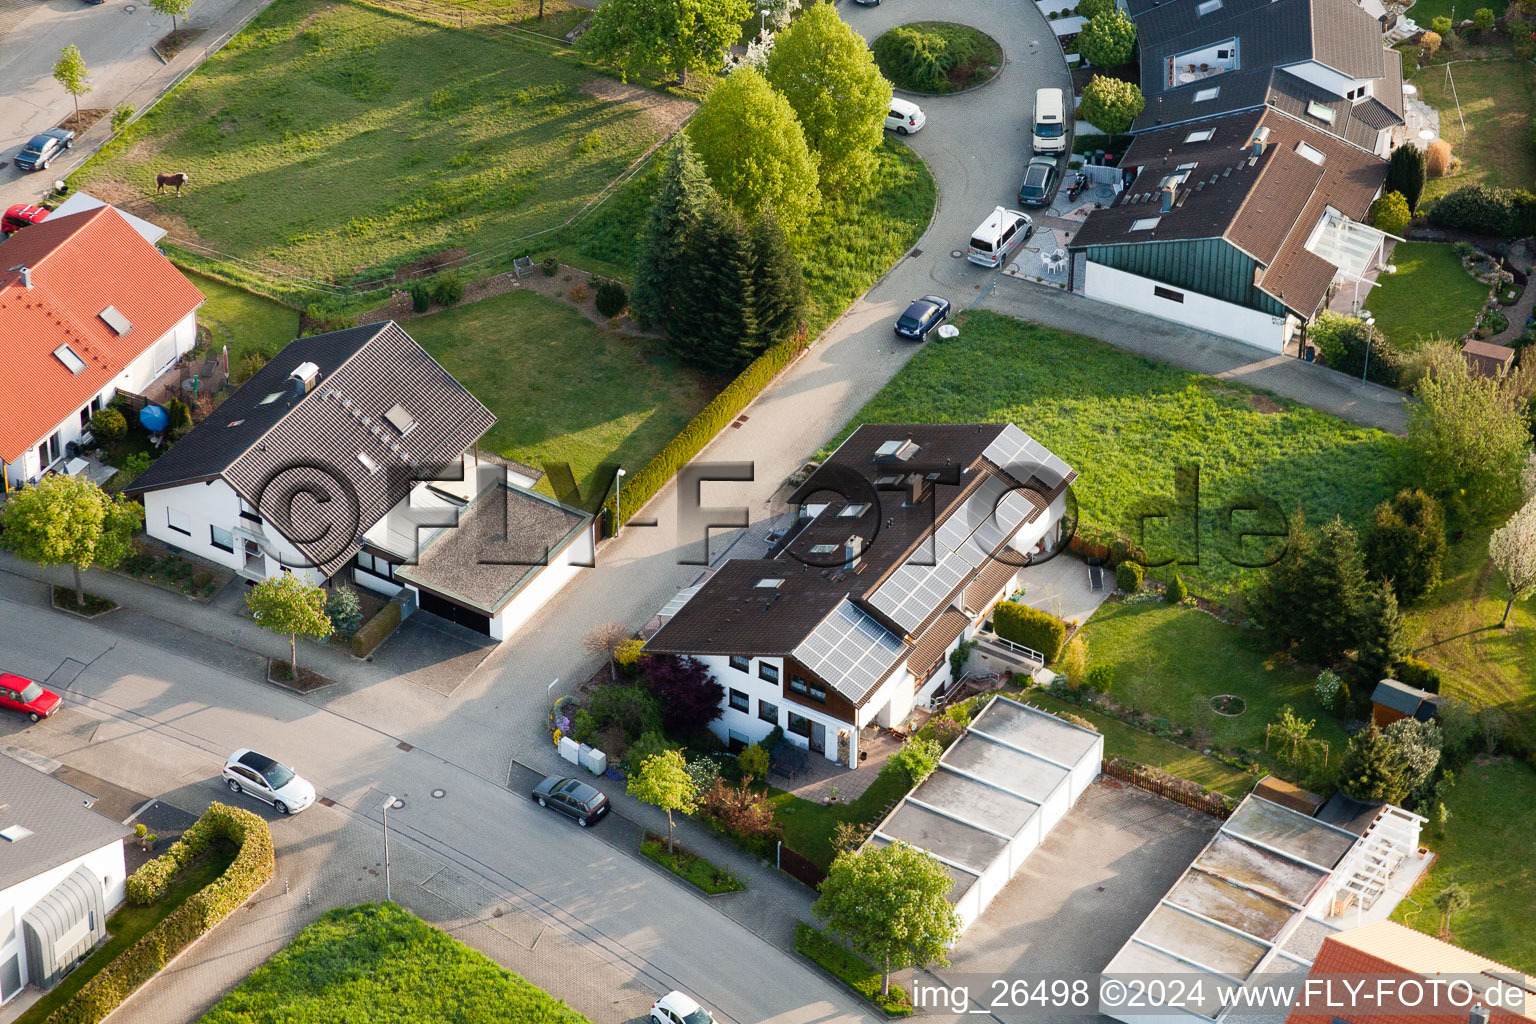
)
(251, 869)
(851, 969)
(700, 431)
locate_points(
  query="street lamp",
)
(618, 503)
(762, 24)
(1370, 329)
(388, 803)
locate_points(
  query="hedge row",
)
(249, 871)
(374, 632)
(700, 431)
(1485, 210)
(1038, 630)
(852, 969)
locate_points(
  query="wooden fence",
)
(800, 867)
(1188, 793)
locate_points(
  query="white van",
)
(998, 236)
(1050, 133)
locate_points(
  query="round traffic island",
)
(937, 57)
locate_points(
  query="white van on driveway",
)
(998, 236)
(1050, 132)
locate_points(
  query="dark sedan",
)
(921, 317)
(41, 150)
(571, 797)
(1040, 179)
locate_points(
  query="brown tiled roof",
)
(80, 265)
(930, 647)
(1487, 358)
(988, 582)
(1274, 203)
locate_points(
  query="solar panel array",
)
(963, 542)
(1014, 448)
(850, 650)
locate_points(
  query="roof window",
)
(1203, 135)
(853, 509)
(402, 421)
(1312, 153)
(1208, 7)
(368, 463)
(236, 423)
(15, 833)
(66, 355)
(770, 583)
(888, 480)
(274, 396)
(1144, 223)
(1322, 113)
(1207, 94)
(115, 320)
(889, 448)
(823, 549)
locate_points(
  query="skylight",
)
(1203, 135)
(66, 355)
(115, 320)
(770, 583)
(1322, 113)
(1312, 153)
(15, 833)
(888, 480)
(1208, 7)
(1207, 94)
(367, 461)
(889, 448)
(853, 509)
(274, 396)
(401, 420)
(1145, 223)
(823, 549)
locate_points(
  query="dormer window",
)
(66, 355)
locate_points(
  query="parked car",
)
(37, 154)
(27, 696)
(677, 1008)
(904, 117)
(259, 775)
(867, 3)
(922, 317)
(571, 797)
(20, 216)
(1040, 177)
(995, 238)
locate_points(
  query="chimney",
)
(1479, 1015)
(26, 277)
(1260, 141)
(915, 489)
(1168, 195)
(853, 550)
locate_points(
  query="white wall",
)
(1323, 77)
(159, 357)
(562, 568)
(1200, 311)
(215, 503)
(747, 724)
(105, 863)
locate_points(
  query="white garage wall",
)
(1200, 311)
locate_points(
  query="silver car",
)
(259, 775)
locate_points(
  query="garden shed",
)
(996, 794)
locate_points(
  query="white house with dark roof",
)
(61, 874)
(355, 453)
(907, 536)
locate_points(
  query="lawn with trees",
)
(398, 155)
(355, 960)
(1497, 100)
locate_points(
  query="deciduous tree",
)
(70, 72)
(1110, 104)
(677, 35)
(1467, 438)
(286, 604)
(688, 695)
(1452, 899)
(174, 8)
(1512, 547)
(754, 151)
(1108, 40)
(604, 639)
(890, 904)
(1390, 213)
(663, 782)
(826, 72)
(67, 520)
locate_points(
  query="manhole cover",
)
(915, 253)
(1228, 704)
(397, 805)
(955, 254)
(438, 794)
(405, 746)
(326, 801)
(130, 8)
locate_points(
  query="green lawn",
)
(1126, 423)
(808, 826)
(341, 141)
(1456, 629)
(1143, 747)
(563, 389)
(378, 963)
(559, 15)
(130, 924)
(1170, 661)
(1487, 848)
(1497, 104)
(691, 868)
(849, 243)
(1430, 295)
(244, 321)
(1425, 11)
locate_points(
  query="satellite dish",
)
(948, 331)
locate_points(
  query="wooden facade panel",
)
(835, 706)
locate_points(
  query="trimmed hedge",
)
(250, 870)
(373, 632)
(1486, 210)
(1035, 629)
(852, 969)
(700, 431)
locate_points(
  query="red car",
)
(20, 216)
(18, 693)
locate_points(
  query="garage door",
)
(455, 613)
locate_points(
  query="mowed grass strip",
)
(562, 388)
(243, 320)
(1497, 105)
(1430, 296)
(1126, 423)
(340, 141)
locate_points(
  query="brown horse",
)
(178, 179)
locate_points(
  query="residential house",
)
(1392, 700)
(61, 874)
(356, 454)
(1455, 986)
(905, 538)
(88, 308)
(1240, 225)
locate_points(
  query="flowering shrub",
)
(1329, 689)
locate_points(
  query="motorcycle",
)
(1076, 186)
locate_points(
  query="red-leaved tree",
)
(689, 696)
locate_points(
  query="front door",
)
(818, 738)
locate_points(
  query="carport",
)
(995, 795)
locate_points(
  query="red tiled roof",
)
(80, 265)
